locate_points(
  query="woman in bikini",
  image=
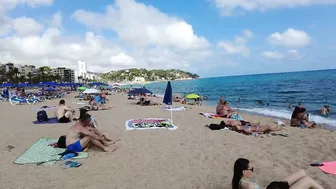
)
(248, 127)
(243, 172)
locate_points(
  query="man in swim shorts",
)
(63, 112)
(81, 134)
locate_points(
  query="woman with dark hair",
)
(242, 173)
(300, 117)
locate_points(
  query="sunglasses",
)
(250, 169)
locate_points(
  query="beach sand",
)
(190, 157)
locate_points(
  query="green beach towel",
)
(41, 152)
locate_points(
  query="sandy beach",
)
(190, 157)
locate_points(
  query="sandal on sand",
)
(71, 164)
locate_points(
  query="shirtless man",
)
(247, 127)
(325, 110)
(63, 112)
(81, 134)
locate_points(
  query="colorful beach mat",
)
(52, 120)
(329, 167)
(173, 108)
(149, 123)
(42, 153)
(215, 116)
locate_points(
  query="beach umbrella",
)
(168, 99)
(82, 88)
(192, 96)
(140, 91)
(91, 91)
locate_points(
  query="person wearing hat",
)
(325, 110)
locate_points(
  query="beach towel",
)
(173, 108)
(41, 152)
(215, 116)
(149, 123)
(329, 167)
(52, 120)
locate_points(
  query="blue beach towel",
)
(53, 120)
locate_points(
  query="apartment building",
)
(67, 75)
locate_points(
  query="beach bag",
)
(42, 116)
(217, 126)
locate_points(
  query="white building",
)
(83, 74)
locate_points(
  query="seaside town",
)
(167, 94)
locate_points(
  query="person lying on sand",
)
(246, 127)
(301, 117)
(81, 134)
(63, 112)
(99, 106)
(243, 172)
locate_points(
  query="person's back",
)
(60, 111)
(73, 134)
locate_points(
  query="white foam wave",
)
(287, 114)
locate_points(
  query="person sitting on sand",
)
(93, 127)
(243, 172)
(97, 106)
(300, 117)
(63, 112)
(220, 107)
(81, 134)
(248, 127)
(325, 110)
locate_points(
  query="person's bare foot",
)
(113, 142)
(107, 149)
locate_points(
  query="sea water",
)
(313, 89)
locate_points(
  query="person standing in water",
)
(325, 110)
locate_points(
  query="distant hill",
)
(134, 74)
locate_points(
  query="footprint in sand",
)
(9, 148)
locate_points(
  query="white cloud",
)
(238, 46)
(231, 7)
(290, 38)
(56, 20)
(291, 54)
(26, 26)
(143, 25)
(248, 34)
(273, 55)
(122, 60)
(163, 42)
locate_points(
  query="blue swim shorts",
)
(75, 147)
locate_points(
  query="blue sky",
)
(209, 37)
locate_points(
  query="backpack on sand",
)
(42, 116)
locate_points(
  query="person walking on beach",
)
(63, 112)
(81, 134)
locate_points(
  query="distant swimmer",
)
(325, 110)
(290, 106)
(260, 102)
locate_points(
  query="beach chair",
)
(14, 100)
(2, 98)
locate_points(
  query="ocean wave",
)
(287, 114)
(290, 92)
